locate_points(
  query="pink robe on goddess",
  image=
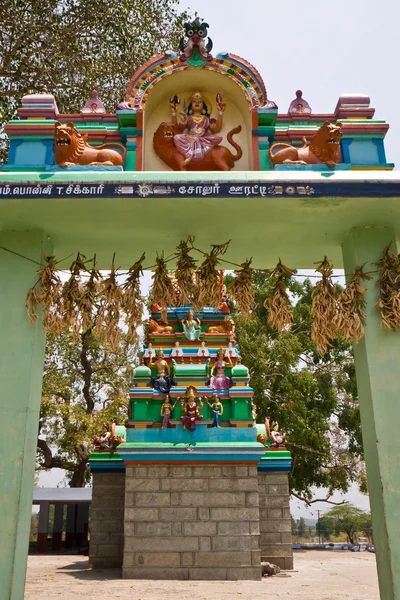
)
(197, 140)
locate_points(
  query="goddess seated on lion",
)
(191, 143)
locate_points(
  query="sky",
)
(325, 49)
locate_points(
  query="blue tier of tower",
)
(191, 362)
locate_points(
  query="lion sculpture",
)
(71, 148)
(324, 148)
(226, 327)
(217, 159)
(154, 327)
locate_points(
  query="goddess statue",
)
(198, 136)
(278, 440)
(103, 441)
(217, 409)
(166, 411)
(191, 409)
(219, 381)
(191, 326)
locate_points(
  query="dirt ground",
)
(318, 575)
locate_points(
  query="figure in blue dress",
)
(217, 409)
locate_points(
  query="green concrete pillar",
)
(377, 360)
(22, 348)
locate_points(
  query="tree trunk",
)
(78, 477)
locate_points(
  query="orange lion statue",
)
(71, 148)
(154, 327)
(226, 327)
(218, 158)
(324, 148)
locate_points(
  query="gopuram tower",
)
(192, 493)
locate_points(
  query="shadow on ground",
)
(81, 570)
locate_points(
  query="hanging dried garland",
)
(349, 321)
(323, 307)
(185, 272)
(132, 301)
(242, 289)
(388, 303)
(108, 316)
(207, 278)
(86, 299)
(279, 307)
(89, 293)
(71, 296)
(48, 290)
(163, 290)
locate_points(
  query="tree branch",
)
(309, 502)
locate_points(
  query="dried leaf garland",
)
(33, 299)
(279, 307)
(185, 272)
(350, 319)
(131, 301)
(242, 290)
(107, 326)
(49, 291)
(88, 297)
(323, 307)
(162, 291)
(207, 278)
(388, 303)
(71, 296)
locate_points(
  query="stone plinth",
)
(191, 522)
(107, 520)
(275, 523)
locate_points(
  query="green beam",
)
(377, 360)
(21, 369)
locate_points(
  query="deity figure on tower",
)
(191, 408)
(162, 381)
(218, 380)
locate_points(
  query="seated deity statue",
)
(218, 380)
(162, 381)
(191, 326)
(277, 439)
(198, 137)
(191, 408)
(103, 441)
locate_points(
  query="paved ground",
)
(319, 575)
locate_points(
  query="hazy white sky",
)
(323, 48)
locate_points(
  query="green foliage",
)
(314, 399)
(84, 385)
(347, 519)
(70, 47)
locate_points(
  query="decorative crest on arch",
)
(196, 55)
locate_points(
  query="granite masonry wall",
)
(275, 524)
(191, 522)
(107, 520)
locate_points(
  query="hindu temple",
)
(192, 487)
(193, 492)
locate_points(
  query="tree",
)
(301, 527)
(346, 519)
(70, 47)
(84, 385)
(314, 399)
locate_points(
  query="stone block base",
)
(192, 522)
(107, 521)
(275, 522)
